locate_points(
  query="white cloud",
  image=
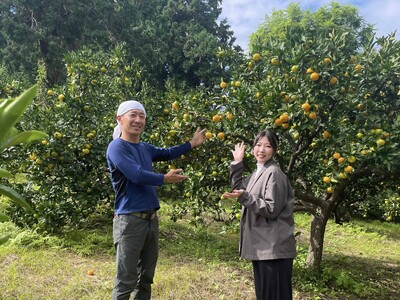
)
(244, 16)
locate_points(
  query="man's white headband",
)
(123, 108)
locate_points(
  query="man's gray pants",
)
(136, 244)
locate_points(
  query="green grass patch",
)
(361, 261)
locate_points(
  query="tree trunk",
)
(316, 245)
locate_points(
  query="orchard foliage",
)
(66, 173)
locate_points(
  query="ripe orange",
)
(229, 116)
(333, 81)
(61, 97)
(216, 118)
(341, 160)
(278, 121)
(309, 71)
(336, 155)
(90, 272)
(326, 179)
(327, 60)
(209, 135)
(306, 106)
(312, 115)
(285, 125)
(329, 190)
(237, 83)
(175, 105)
(358, 67)
(220, 135)
(348, 169)
(223, 84)
(314, 76)
(326, 134)
(284, 117)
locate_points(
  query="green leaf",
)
(12, 110)
(4, 218)
(4, 173)
(15, 197)
(4, 238)
(24, 137)
(12, 132)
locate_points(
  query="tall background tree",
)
(339, 108)
(170, 38)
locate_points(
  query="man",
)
(135, 229)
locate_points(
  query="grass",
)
(361, 261)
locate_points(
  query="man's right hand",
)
(173, 176)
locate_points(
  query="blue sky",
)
(244, 16)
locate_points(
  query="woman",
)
(266, 225)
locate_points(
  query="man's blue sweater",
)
(132, 174)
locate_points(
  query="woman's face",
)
(263, 150)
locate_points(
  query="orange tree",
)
(67, 176)
(330, 90)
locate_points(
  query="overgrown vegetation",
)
(362, 261)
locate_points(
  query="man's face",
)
(133, 122)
